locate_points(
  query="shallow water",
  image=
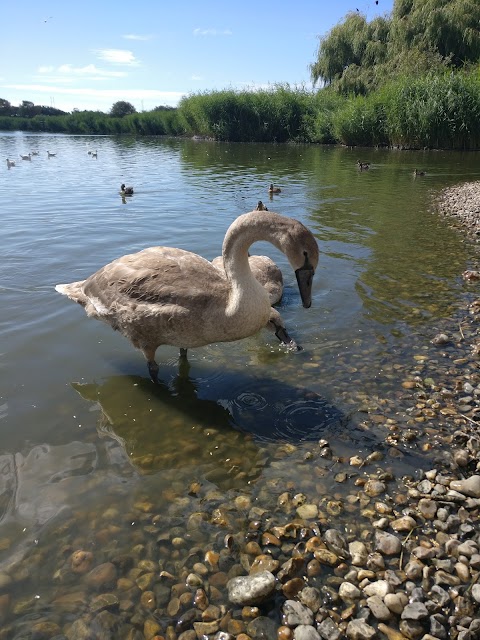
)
(81, 425)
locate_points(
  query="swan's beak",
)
(283, 336)
(304, 280)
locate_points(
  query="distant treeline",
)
(437, 110)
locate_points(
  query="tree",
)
(356, 57)
(122, 108)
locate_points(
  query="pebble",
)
(469, 486)
(248, 590)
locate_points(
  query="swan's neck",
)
(247, 229)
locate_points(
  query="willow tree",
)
(449, 28)
(348, 55)
(420, 35)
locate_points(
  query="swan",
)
(272, 189)
(126, 191)
(10, 163)
(163, 295)
(50, 154)
(260, 206)
(27, 157)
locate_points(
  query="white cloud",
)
(66, 71)
(197, 78)
(117, 56)
(120, 93)
(212, 32)
(136, 36)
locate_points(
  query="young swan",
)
(164, 295)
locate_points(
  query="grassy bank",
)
(432, 111)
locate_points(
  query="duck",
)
(35, 153)
(260, 206)
(50, 154)
(363, 165)
(126, 191)
(10, 163)
(417, 172)
(272, 189)
(94, 154)
(170, 296)
(27, 157)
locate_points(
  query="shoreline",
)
(461, 203)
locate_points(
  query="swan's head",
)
(303, 254)
(277, 326)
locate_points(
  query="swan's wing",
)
(269, 275)
(158, 275)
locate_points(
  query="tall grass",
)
(437, 110)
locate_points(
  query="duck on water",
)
(168, 296)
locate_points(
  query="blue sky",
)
(88, 55)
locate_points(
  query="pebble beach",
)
(351, 550)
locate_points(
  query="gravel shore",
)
(462, 203)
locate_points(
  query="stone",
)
(415, 611)
(406, 523)
(329, 630)
(248, 590)
(360, 630)
(378, 608)
(387, 543)
(378, 588)
(296, 613)
(469, 487)
(311, 598)
(476, 592)
(262, 628)
(358, 552)
(307, 511)
(396, 602)
(349, 592)
(306, 632)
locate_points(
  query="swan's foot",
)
(153, 369)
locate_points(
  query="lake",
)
(93, 456)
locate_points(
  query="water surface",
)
(81, 425)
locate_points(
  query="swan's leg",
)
(184, 365)
(153, 367)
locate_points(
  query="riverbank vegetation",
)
(409, 80)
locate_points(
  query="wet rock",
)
(295, 613)
(387, 543)
(360, 630)
(378, 608)
(349, 592)
(415, 611)
(378, 588)
(358, 552)
(306, 632)
(311, 598)
(103, 575)
(329, 630)
(262, 628)
(396, 602)
(469, 487)
(250, 590)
